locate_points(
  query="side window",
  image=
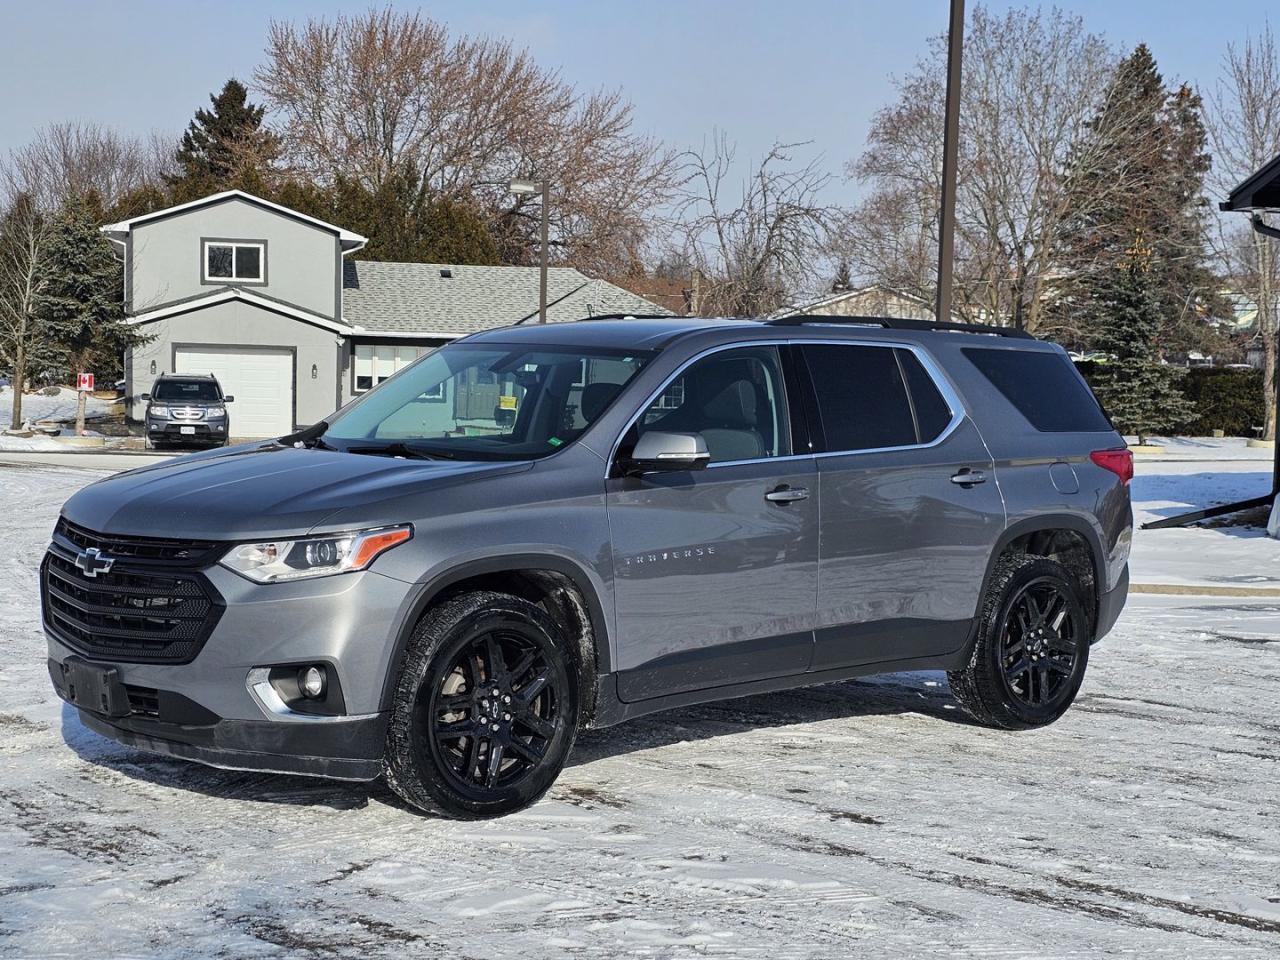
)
(734, 399)
(862, 399)
(932, 412)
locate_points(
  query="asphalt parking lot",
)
(861, 819)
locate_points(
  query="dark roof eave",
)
(1261, 191)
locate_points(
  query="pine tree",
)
(1152, 140)
(81, 305)
(1137, 389)
(226, 147)
(842, 281)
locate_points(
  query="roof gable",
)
(118, 231)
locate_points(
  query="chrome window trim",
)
(935, 372)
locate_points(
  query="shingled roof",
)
(448, 300)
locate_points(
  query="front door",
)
(910, 508)
(715, 569)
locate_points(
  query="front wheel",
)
(485, 712)
(1032, 647)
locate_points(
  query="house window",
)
(375, 363)
(235, 262)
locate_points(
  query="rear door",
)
(909, 504)
(715, 569)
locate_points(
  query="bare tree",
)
(756, 243)
(24, 236)
(1032, 82)
(383, 92)
(1244, 127)
(75, 159)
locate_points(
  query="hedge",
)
(1226, 400)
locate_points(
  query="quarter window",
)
(931, 409)
(235, 262)
(734, 399)
(862, 399)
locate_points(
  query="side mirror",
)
(657, 450)
(146, 396)
(228, 399)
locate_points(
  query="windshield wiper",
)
(398, 449)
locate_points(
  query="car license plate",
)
(188, 431)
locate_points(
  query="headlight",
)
(278, 560)
(215, 412)
(155, 411)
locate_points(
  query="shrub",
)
(1226, 400)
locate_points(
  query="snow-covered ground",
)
(863, 819)
(36, 406)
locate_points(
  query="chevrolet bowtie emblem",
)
(92, 562)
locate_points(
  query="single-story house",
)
(270, 301)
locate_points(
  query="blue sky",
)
(788, 69)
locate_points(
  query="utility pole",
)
(527, 188)
(950, 154)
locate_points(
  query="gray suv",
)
(186, 409)
(539, 529)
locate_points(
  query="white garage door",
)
(260, 379)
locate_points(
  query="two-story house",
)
(269, 301)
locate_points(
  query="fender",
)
(1048, 521)
(504, 563)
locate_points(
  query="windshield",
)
(487, 401)
(188, 391)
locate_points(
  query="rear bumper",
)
(1110, 604)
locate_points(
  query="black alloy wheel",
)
(1031, 648)
(1039, 642)
(492, 714)
(485, 709)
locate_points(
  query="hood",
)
(259, 491)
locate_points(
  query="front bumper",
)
(206, 711)
(202, 431)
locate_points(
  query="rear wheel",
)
(1032, 647)
(484, 713)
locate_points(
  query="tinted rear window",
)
(862, 399)
(1044, 387)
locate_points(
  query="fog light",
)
(311, 681)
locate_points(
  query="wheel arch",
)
(1047, 525)
(554, 580)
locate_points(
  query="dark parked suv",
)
(539, 529)
(186, 409)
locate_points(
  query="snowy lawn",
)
(36, 406)
(863, 819)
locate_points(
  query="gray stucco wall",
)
(228, 324)
(302, 262)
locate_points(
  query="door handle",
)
(967, 477)
(785, 494)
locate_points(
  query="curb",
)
(1202, 590)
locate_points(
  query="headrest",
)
(733, 405)
(596, 396)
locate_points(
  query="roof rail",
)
(900, 323)
(630, 316)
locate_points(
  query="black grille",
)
(143, 611)
(187, 553)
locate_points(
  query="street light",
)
(529, 188)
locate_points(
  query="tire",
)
(1028, 659)
(446, 725)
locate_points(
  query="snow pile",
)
(10, 444)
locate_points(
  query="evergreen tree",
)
(1138, 390)
(842, 281)
(226, 147)
(1154, 142)
(81, 306)
(405, 223)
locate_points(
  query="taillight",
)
(1118, 461)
